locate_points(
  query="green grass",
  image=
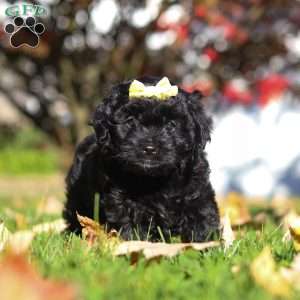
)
(16, 161)
(27, 152)
(191, 275)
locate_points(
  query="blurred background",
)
(242, 55)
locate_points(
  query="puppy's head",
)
(146, 136)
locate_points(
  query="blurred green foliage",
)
(27, 152)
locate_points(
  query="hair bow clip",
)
(162, 90)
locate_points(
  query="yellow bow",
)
(162, 90)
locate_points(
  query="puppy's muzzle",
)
(149, 150)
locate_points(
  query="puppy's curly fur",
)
(146, 160)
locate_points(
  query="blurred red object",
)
(211, 53)
(271, 88)
(230, 31)
(200, 11)
(237, 91)
(182, 32)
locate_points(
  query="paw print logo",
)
(24, 32)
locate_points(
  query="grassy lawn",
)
(191, 275)
(213, 274)
(96, 274)
(27, 152)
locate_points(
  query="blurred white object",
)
(3, 6)
(257, 152)
(293, 43)
(257, 181)
(141, 17)
(234, 139)
(159, 40)
(104, 15)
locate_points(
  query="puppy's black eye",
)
(129, 120)
(172, 124)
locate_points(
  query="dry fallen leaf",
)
(18, 280)
(235, 206)
(286, 219)
(294, 227)
(292, 274)
(282, 206)
(94, 233)
(130, 247)
(286, 225)
(228, 235)
(263, 270)
(4, 236)
(17, 242)
(57, 226)
(20, 219)
(20, 241)
(156, 250)
(91, 230)
(286, 237)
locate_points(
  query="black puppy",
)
(146, 160)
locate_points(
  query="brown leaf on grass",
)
(286, 237)
(156, 250)
(228, 235)
(292, 274)
(286, 225)
(19, 280)
(20, 241)
(263, 270)
(91, 230)
(15, 242)
(131, 247)
(294, 228)
(235, 206)
(20, 219)
(282, 206)
(4, 236)
(57, 226)
(94, 233)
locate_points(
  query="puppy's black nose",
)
(149, 150)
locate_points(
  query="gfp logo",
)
(25, 9)
(24, 30)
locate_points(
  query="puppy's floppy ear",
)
(83, 150)
(99, 122)
(201, 120)
(102, 116)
